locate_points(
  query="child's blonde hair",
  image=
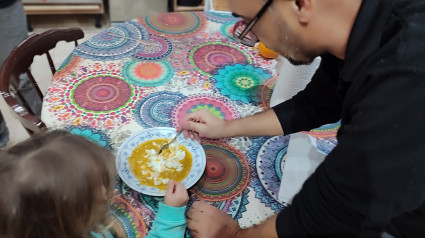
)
(54, 185)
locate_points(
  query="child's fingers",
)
(170, 187)
(178, 184)
(180, 187)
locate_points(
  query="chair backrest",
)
(217, 5)
(19, 61)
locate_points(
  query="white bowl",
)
(126, 149)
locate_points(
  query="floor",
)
(40, 68)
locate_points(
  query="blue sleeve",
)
(169, 222)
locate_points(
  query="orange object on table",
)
(266, 52)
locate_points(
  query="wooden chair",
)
(19, 61)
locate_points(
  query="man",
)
(372, 76)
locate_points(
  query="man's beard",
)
(300, 62)
(304, 56)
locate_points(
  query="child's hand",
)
(176, 194)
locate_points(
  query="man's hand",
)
(202, 123)
(176, 194)
(206, 221)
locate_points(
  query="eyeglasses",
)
(242, 32)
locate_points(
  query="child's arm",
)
(171, 220)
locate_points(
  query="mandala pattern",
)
(266, 92)
(209, 58)
(326, 137)
(176, 23)
(227, 29)
(326, 145)
(241, 82)
(70, 63)
(155, 109)
(159, 48)
(62, 107)
(220, 17)
(146, 207)
(127, 222)
(215, 105)
(226, 174)
(120, 41)
(328, 130)
(92, 134)
(234, 207)
(261, 192)
(148, 74)
(102, 94)
(269, 164)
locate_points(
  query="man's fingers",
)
(179, 128)
(194, 233)
(186, 133)
(192, 135)
(193, 126)
(191, 117)
(199, 205)
(190, 128)
(197, 138)
(196, 123)
(193, 213)
(190, 214)
(191, 222)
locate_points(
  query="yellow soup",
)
(155, 170)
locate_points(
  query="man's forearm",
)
(266, 229)
(264, 123)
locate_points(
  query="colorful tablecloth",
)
(150, 72)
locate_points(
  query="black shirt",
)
(374, 179)
(6, 3)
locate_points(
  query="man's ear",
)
(304, 10)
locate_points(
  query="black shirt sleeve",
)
(376, 170)
(318, 104)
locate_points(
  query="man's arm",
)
(264, 123)
(211, 126)
(318, 104)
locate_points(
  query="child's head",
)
(54, 185)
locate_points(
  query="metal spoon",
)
(165, 145)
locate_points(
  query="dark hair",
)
(54, 186)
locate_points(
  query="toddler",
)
(58, 185)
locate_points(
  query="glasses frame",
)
(254, 20)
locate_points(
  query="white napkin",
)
(292, 79)
(302, 159)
